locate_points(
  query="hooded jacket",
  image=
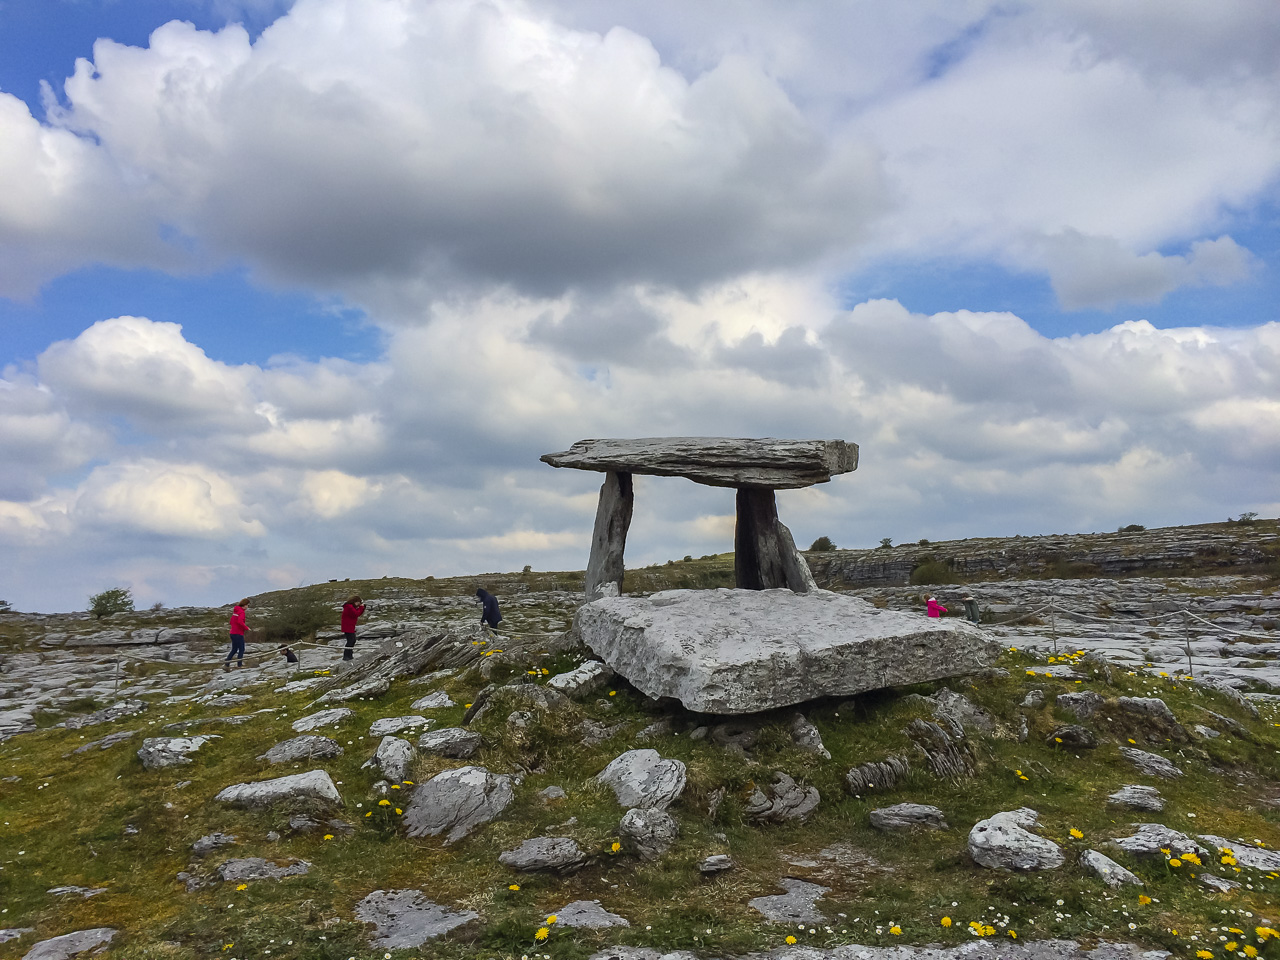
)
(350, 614)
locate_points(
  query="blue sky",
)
(290, 291)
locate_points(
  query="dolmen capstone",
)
(745, 651)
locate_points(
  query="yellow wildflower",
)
(613, 693)
(1131, 740)
(1250, 951)
(384, 803)
(398, 811)
(395, 786)
(790, 939)
(895, 930)
(514, 886)
(1265, 932)
(1194, 858)
(1077, 834)
(1014, 934)
(1143, 898)
(329, 836)
(615, 847)
(1031, 673)
(945, 921)
(1204, 954)
(1175, 862)
(552, 919)
(243, 886)
(542, 933)
(1238, 932)
(369, 814)
(1231, 945)
(409, 782)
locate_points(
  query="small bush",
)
(886, 543)
(922, 542)
(1131, 528)
(933, 572)
(5, 606)
(157, 606)
(822, 543)
(528, 568)
(115, 600)
(296, 617)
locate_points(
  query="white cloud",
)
(170, 499)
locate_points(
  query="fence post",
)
(1053, 620)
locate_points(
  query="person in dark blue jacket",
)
(489, 613)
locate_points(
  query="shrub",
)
(1131, 528)
(5, 606)
(822, 543)
(922, 542)
(932, 572)
(1249, 517)
(157, 606)
(528, 568)
(296, 617)
(115, 600)
(886, 543)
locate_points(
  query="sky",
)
(293, 291)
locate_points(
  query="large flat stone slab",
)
(717, 461)
(744, 651)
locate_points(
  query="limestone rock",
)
(70, 944)
(647, 832)
(323, 718)
(315, 785)
(1152, 838)
(124, 708)
(405, 919)
(593, 732)
(392, 759)
(659, 728)
(553, 854)
(642, 778)
(1216, 883)
(213, 841)
(159, 752)
(782, 800)
(456, 802)
(369, 687)
(527, 697)
(1004, 841)
(1034, 699)
(14, 722)
(1072, 737)
(436, 700)
(14, 933)
(307, 747)
(257, 868)
(716, 863)
(110, 740)
(1137, 797)
(387, 725)
(451, 742)
(947, 752)
(807, 737)
(588, 914)
(583, 680)
(746, 651)
(1151, 764)
(1206, 733)
(961, 711)
(906, 816)
(1111, 873)
(796, 906)
(1083, 704)
(550, 794)
(877, 776)
(1246, 855)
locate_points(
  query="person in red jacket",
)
(352, 610)
(237, 628)
(935, 609)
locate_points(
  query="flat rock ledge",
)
(745, 651)
(70, 944)
(405, 918)
(797, 905)
(160, 752)
(979, 950)
(552, 854)
(588, 914)
(643, 778)
(312, 785)
(1004, 841)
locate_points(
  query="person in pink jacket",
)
(352, 610)
(237, 628)
(935, 609)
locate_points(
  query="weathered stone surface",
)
(387, 725)
(405, 918)
(74, 891)
(1111, 873)
(1150, 763)
(716, 863)
(782, 800)
(392, 759)
(1004, 841)
(583, 680)
(1153, 838)
(552, 854)
(1072, 737)
(588, 914)
(307, 747)
(314, 785)
(647, 832)
(14, 933)
(1083, 704)
(368, 687)
(609, 536)
(124, 708)
(797, 905)
(157, 753)
(1246, 854)
(110, 740)
(322, 718)
(451, 742)
(211, 842)
(945, 748)
(807, 737)
(1138, 797)
(1034, 699)
(765, 555)
(642, 778)
(551, 794)
(69, 944)
(718, 461)
(1152, 707)
(877, 776)
(14, 722)
(745, 651)
(257, 868)
(1216, 883)
(456, 802)
(226, 700)
(436, 700)
(908, 816)
(1205, 733)
(527, 697)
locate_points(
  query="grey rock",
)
(1072, 737)
(1206, 733)
(552, 854)
(1034, 699)
(1152, 838)
(1246, 854)
(593, 732)
(226, 700)
(1137, 797)
(322, 718)
(878, 776)
(297, 686)
(588, 914)
(306, 747)
(211, 842)
(83, 892)
(451, 742)
(431, 677)
(15, 933)
(746, 651)
(647, 832)
(14, 722)
(947, 751)
(302, 824)
(1083, 704)
(583, 680)
(436, 700)
(807, 737)
(659, 728)
(392, 759)
(1234, 727)
(528, 697)
(742, 734)
(1111, 873)
(1004, 841)
(405, 918)
(110, 740)
(520, 719)
(1152, 707)
(716, 863)
(1151, 764)
(907, 816)
(456, 802)
(314, 785)
(369, 687)
(549, 794)
(782, 800)
(797, 905)
(388, 725)
(961, 711)
(157, 753)
(1216, 883)
(642, 778)
(69, 944)
(256, 868)
(124, 708)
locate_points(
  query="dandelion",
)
(408, 782)
(513, 886)
(542, 933)
(1175, 862)
(243, 886)
(1077, 834)
(790, 939)
(395, 786)
(613, 693)
(1131, 740)
(227, 946)
(895, 930)
(615, 847)
(1250, 951)
(369, 814)
(1204, 954)
(552, 919)
(945, 921)
(329, 836)
(1143, 899)
(1231, 945)
(399, 811)
(384, 803)
(1031, 673)
(1012, 933)
(1265, 932)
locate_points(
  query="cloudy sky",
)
(292, 291)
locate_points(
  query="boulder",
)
(552, 854)
(69, 944)
(796, 906)
(1072, 737)
(527, 697)
(456, 802)
(1216, 883)
(451, 742)
(403, 919)
(211, 842)
(159, 752)
(907, 816)
(807, 737)
(746, 651)
(387, 725)
(314, 785)
(392, 759)
(1137, 797)
(110, 740)
(369, 687)
(124, 708)
(1245, 854)
(307, 747)
(323, 718)
(1083, 704)
(716, 863)
(642, 778)
(1004, 841)
(588, 914)
(436, 700)
(257, 868)
(1111, 873)
(1152, 839)
(879, 775)
(946, 704)
(647, 832)
(14, 722)
(1151, 764)
(583, 680)
(782, 800)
